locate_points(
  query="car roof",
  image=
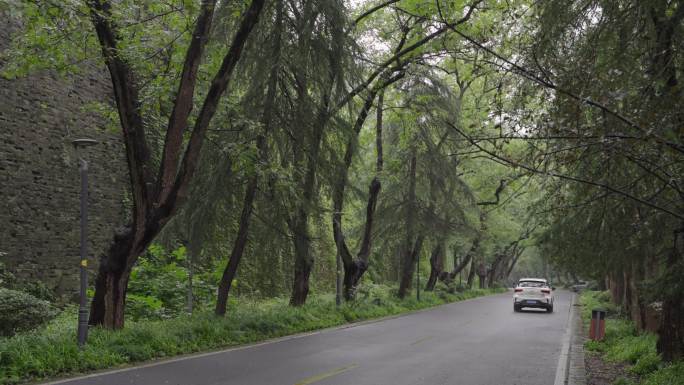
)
(532, 280)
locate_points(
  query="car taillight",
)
(518, 290)
(546, 291)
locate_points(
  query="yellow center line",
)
(325, 375)
(421, 340)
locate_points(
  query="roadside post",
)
(597, 329)
(82, 333)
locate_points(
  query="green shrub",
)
(21, 311)
(595, 346)
(629, 348)
(603, 297)
(143, 307)
(623, 381)
(7, 279)
(669, 375)
(37, 289)
(646, 364)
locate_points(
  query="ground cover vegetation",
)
(271, 144)
(624, 343)
(52, 351)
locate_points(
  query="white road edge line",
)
(564, 358)
(191, 356)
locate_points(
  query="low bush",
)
(629, 348)
(20, 311)
(669, 375)
(647, 363)
(52, 350)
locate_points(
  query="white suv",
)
(534, 293)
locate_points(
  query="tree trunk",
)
(436, 265)
(354, 267)
(410, 259)
(492, 273)
(303, 260)
(238, 248)
(671, 332)
(668, 93)
(458, 267)
(482, 275)
(471, 274)
(250, 193)
(411, 249)
(617, 287)
(109, 301)
(638, 312)
(192, 253)
(107, 306)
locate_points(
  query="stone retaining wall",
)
(39, 180)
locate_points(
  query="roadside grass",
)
(623, 343)
(51, 351)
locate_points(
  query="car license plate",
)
(530, 302)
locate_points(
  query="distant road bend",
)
(476, 342)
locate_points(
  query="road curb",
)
(577, 372)
(571, 369)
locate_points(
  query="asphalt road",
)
(476, 342)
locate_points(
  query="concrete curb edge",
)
(577, 372)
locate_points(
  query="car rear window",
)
(531, 284)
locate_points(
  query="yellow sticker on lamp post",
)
(84, 262)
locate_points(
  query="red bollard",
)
(597, 330)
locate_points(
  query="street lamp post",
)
(82, 334)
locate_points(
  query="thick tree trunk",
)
(436, 266)
(410, 259)
(668, 93)
(638, 312)
(303, 260)
(110, 312)
(107, 306)
(617, 287)
(671, 332)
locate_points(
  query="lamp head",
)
(83, 142)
